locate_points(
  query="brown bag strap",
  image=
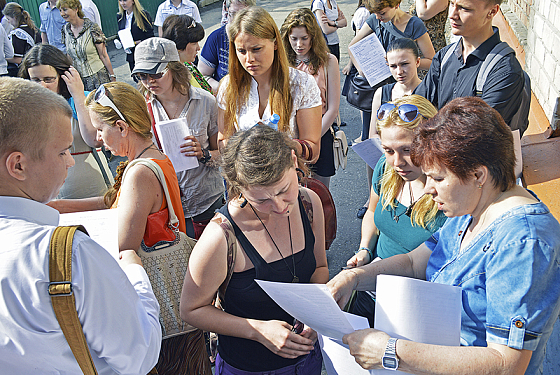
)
(62, 296)
(307, 204)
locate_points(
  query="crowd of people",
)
(258, 106)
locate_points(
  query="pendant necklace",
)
(408, 210)
(295, 278)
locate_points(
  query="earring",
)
(480, 186)
(244, 203)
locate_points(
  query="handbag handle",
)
(173, 221)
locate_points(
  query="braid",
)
(111, 194)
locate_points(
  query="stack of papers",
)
(405, 308)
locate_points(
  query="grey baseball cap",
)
(152, 55)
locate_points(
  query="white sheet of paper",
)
(311, 304)
(102, 227)
(369, 150)
(418, 310)
(370, 56)
(171, 134)
(126, 38)
(336, 355)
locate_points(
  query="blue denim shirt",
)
(510, 275)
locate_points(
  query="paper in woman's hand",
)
(171, 134)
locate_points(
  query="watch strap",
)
(390, 360)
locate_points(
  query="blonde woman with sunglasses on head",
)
(397, 203)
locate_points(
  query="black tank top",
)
(387, 92)
(246, 299)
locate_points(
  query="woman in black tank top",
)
(276, 232)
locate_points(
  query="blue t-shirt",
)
(386, 31)
(215, 52)
(397, 236)
(510, 276)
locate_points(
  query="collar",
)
(484, 49)
(171, 5)
(28, 210)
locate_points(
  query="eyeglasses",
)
(101, 98)
(45, 79)
(407, 112)
(144, 76)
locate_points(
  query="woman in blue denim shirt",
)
(501, 246)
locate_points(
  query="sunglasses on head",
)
(101, 98)
(144, 76)
(407, 112)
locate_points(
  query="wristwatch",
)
(336, 24)
(389, 359)
(205, 156)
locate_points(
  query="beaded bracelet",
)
(303, 148)
(370, 252)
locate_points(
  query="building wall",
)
(536, 24)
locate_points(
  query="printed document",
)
(101, 225)
(406, 308)
(171, 134)
(418, 310)
(369, 150)
(370, 56)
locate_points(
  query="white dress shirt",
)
(117, 308)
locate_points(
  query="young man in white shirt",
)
(115, 302)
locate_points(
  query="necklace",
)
(408, 210)
(295, 278)
(144, 150)
(305, 61)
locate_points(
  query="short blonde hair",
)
(72, 4)
(27, 130)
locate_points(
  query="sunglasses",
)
(407, 112)
(144, 76)
(101, 98)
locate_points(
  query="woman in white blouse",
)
(261, 83)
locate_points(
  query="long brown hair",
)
(257, 22)
(17, 12)
(318, 54)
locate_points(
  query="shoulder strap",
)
(224, 221)
(448, 53)
(499, 51)
(307, 204)
(390, 29)
(151, 113)
(62, 297)
(173, 221)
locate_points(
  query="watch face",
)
(390, 363)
